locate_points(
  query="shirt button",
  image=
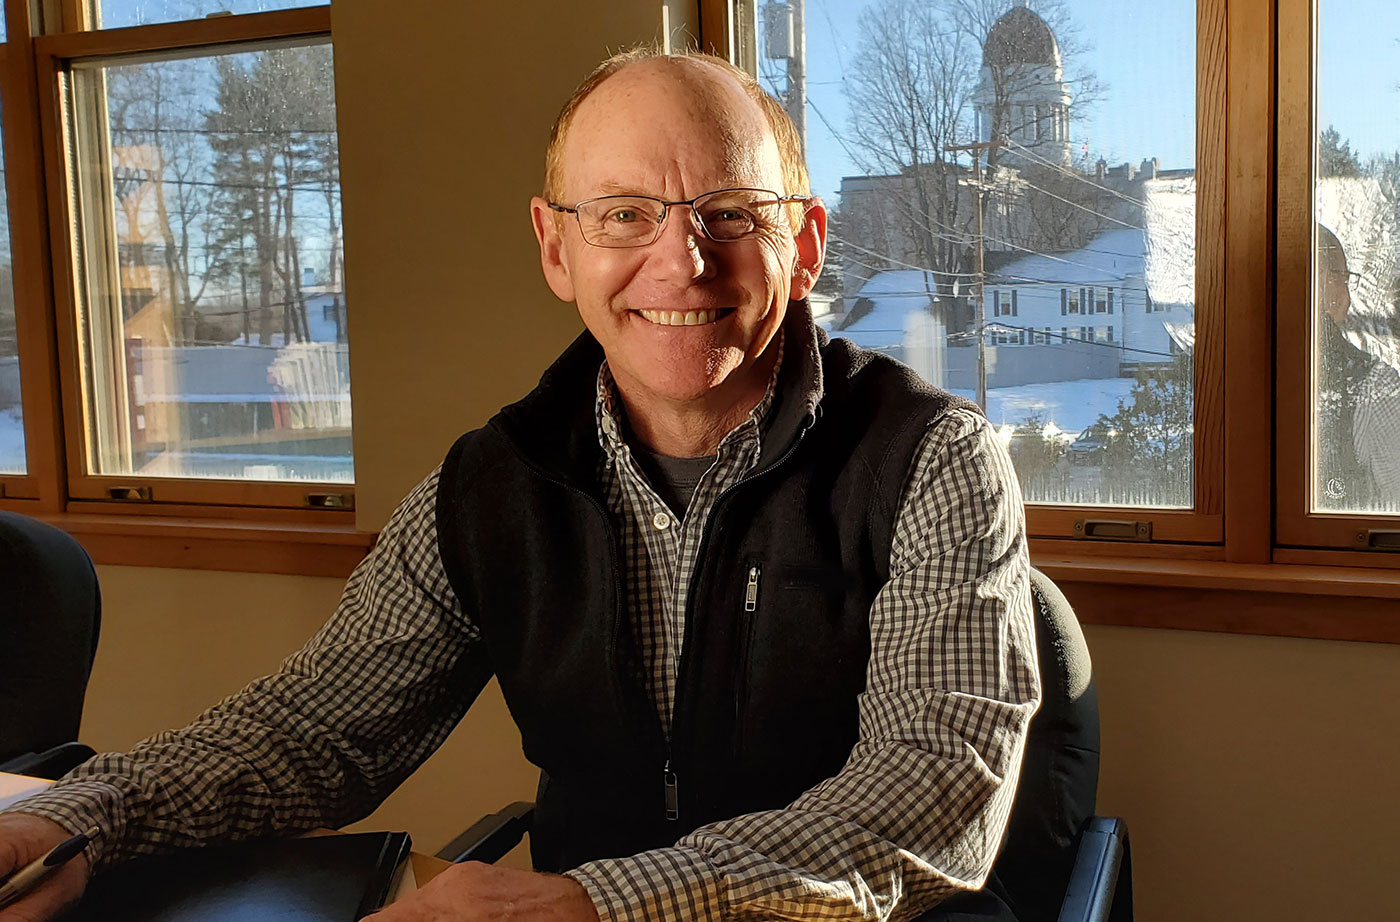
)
(661, 520)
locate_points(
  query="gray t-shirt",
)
(673, 479)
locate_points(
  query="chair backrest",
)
(1060, 774)
(50, 615)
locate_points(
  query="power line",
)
(226, 185)
(289, 132)
(1073, 174)
(995, 276)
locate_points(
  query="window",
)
(1053, 212)
(1339, 339)
(116, 14)
(202, 279)
(219, 178)
(12, 444)
(174, 261)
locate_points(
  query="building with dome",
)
(1076, 270)
(1022, 94)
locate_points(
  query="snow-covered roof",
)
(893, 294)
(1110, 257)
(1163, 253)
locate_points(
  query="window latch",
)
(1379, 539)
(129, 494)
(330, 500)
(1112, 530)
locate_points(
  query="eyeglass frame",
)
(778, 199)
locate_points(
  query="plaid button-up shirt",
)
(915, 815)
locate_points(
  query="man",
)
(758, 603)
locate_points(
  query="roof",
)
(892, 295)
(1020, 37)
(1163, 255)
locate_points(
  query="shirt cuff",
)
(77, 807)
(666, 883)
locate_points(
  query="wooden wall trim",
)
(1273, 614)
(232, 545)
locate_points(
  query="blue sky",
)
(1144, 56)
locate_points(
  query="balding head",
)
(728, 97)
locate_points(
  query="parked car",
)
(1089, 447)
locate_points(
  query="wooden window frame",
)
(1304, 536)
(227, 525)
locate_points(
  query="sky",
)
(1144, 57)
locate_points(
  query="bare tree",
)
(162, 182)
(921, 66)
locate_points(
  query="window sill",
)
(1282, 600)
(292, 548)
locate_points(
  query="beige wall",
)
(1256, 773)
(1242, 763)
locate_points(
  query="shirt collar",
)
(609, 412)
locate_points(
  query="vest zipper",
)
(672, 793)
(672, 790)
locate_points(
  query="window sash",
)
(1346, 535)
(53, 56)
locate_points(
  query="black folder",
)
(337, 878)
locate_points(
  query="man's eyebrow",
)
(616, 188)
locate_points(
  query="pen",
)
(29, 876)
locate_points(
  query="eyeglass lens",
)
(636, 220)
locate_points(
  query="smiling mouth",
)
(684, 318)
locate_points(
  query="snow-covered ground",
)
(11, 443)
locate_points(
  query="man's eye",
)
(623, 216)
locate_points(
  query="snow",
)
(12, 460)
(1111, 257)
(894, 294)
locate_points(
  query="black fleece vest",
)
(776, 636)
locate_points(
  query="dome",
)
(1021, 38)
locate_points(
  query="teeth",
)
(679, 319)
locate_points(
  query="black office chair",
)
(1058, 862)
(50, 616)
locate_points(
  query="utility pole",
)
(797, 72)
(785, 31)
(977, 149)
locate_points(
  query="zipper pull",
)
(673, 797)
(751, 590)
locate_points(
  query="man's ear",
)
(811, 249)
(552, 258)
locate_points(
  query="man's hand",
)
(24, 838)
(476, 892)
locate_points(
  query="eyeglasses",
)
(725, 215)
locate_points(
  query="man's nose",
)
(682, 250)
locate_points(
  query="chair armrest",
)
(51, 763)
(1101, 884)
(490, 837)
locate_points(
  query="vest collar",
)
(553, 427)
